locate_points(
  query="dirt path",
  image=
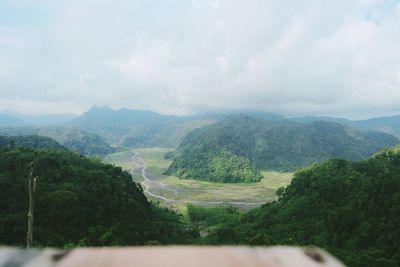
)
(138, 164)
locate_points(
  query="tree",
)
(32, 189)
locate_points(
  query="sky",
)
(181, 57)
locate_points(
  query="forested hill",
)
(388, 124)
(32, 141)
(74, 139)
(349, 208)
(137, 128)
(211, 152)
(78, 202)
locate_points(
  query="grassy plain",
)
(181, 190)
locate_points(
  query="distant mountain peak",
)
(96, 108)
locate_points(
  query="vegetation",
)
(389, 124)
(216, 166)
(232, 149)
(137, 128)
(78, 202)
(74, 139)
(32, 141)
(349, 208)
(181, 191)
(208, 219)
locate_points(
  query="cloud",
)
(182, 57)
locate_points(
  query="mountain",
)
(213, 152)
(72, 138)
(136, 128)
(263, 115)
(389, 124)
(383, 124)
(77, 140)
(349, 208)
(32, 141)
(45, 120)
(310, 119)
(7, 120)
(78, 202)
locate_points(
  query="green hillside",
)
(137, 128)
(32, 141)
(386, 124)
(349, 208)
(74, 139)
(257, 143)
(78, 202)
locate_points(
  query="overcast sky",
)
(298, 57)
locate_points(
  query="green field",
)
(181, 191)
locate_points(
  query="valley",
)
(148, 164)
(198, 124)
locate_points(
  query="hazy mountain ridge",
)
(72, 138)
(141, 128)
(387, 124)
(31, 141)
(283, 145)
(137, 128)
(7, 120)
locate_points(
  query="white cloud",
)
(182, 57)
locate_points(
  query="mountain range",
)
(139, 128)
(74, 139)
(231, 149)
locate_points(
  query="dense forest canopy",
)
(261, 144)
(74, 139)
(79, 201)
(32, 141)
(349, 208)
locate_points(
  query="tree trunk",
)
(32, 181)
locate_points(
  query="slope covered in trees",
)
(387, 124)
(79, 201)
(32, 141)
(74, 139)
(268, 145)
(137, 128)
(349, 208)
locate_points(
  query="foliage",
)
(211, 216)
(74, 139)
(32, 141)
(248, 143)
(349, 208)
(136, 128)
(79, 202)
(216, 166)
